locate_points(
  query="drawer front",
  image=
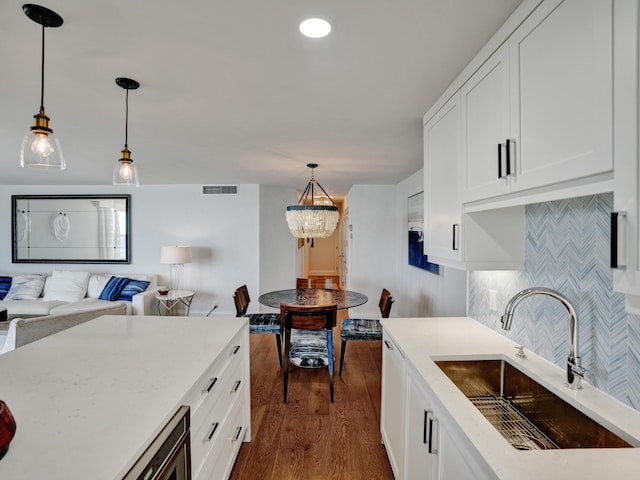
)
(220, 460)
(205, 392)
(212, 420)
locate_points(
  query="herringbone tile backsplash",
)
(567, 248)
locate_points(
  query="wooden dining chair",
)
(268, 323)
(364, 329)
(312, 319)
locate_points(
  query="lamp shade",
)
(175, 254)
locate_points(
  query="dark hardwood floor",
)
(309, 437)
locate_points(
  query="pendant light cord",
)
(126, 120)
(42, 74)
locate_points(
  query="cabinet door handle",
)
(236, 386)
(212, 430)
(433, 423)
(210, 385)
(237, 435)
(235, 350)
(508, 144)
(500, 145)
(388, 345)
(454, 243)
(615, 240)
(425, 426)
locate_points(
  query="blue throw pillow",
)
(5, 285)
(133, 288)
(113, 288)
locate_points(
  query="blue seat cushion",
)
(361, 329)
(309, 348)
(264, 323)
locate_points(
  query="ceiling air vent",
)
(219, 189)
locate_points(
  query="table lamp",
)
(176, 256)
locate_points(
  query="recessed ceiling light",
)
(315, 28)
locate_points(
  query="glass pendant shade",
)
(125, 172)
(313, 216)
(41, 149)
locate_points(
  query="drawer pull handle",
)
(214, 427)
(210, 385)
(237, 435)
(236, 386)
(235, 350)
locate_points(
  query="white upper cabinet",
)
(442, 140)
(561, 77)
(538, 112)
(625, 251)
(491, 240)
(486, 127)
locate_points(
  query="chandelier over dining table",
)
(315, 215)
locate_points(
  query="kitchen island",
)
(442, 435)
(89, 400)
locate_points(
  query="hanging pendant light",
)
(40, 147)
(315, 216)
(125, 172)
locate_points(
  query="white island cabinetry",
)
(88, 401)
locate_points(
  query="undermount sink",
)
(528, 415)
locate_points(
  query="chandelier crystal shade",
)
(125, 172)
(313, 216)
(40, 147)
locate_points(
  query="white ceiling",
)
(231, 92)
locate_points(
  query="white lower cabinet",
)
(220, 412)
(421, 439)
(432, 450)
(392, 415)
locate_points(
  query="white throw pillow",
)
(96, 284)
(25, 287)
(67, 286)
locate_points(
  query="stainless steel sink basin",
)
(528, 415)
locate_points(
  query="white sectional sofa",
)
(66, 292)
(23, 331)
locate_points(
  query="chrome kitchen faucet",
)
(575, 372)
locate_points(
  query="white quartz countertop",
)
(89, 400)
(423, 340)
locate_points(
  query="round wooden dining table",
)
(313, 296)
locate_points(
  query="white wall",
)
(277, 246)
(419, 293)
(372, 244)
(224, 231)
